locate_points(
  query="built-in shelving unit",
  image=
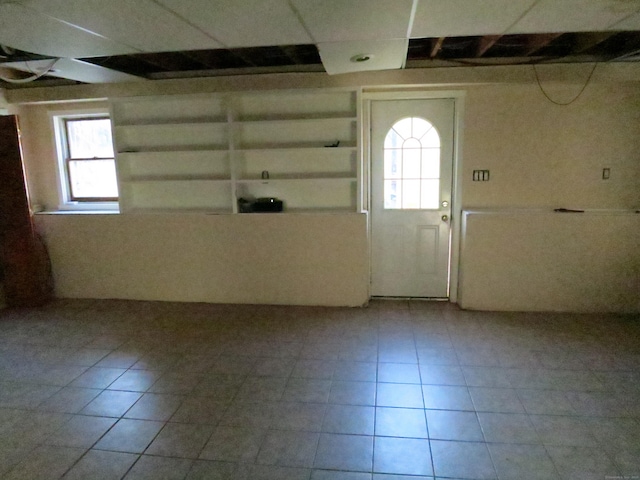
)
(204, 152)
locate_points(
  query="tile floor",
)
(398, 390)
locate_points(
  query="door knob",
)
(445, 218)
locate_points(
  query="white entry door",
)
(411, 178)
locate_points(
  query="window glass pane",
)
(411, 163)
(403, 127)
(430, 163)
(411, 143)
(430, 194)
(392, 193)
(90, 138)
(410, 194)
(393, 140)
(392, 166)
(431, 139)
(420, 127)
(93, 179)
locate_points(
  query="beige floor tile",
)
(276, 392)
(298, 416)
(400, 422)
(353, 393)
(522, 462)
(101, 465)
(212, 470)
(97, 377)
(129, 436)
(349, 419)
(200, 410)
(454, 425)
(80, 431)
(508, 428)
(182, 440)
(331, 475)
(462, 460)
(398, 373)
(33, 428)
(45, 463)
(316, 369)
(159, 468)
(306, 390)
(69, 400)
(24, 395)
(444, 397)
(408, 456)
(135, 380)
(563, 431)
(399, 395)
(155, 406)
(111, 403)
(496, 400)
(344, 452)
(582, 463)
(234, 444)
(288, 449)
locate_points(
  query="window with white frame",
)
(86, 161)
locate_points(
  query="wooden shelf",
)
(174, 178)
(174, 123)
(223, 142)
(295, 119)
(176, 149)
(325, 178)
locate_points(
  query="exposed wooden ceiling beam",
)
(486, 43)
(436, 46)
(586, 42)
(627, 55)
(538, 41)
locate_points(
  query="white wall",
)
(543, 155)
(540, 155)
(251, 258)
(533, 260)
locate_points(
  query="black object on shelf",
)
(260, 205)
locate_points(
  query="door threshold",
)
(423, 299)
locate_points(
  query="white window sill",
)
(78, 212)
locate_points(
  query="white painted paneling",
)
(535, 260)
(339, 20)
(440, 18)
(385, 55)
(574, 15)
(249, 23)
(142, 25)
(269, 259)
(26, 29)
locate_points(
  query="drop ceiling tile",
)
(632, 22)
(384, 55)
(26, 29)
(575, 15)
(143, 25)
(456, 18)
(73, 69)
(340, 20)
(246, 23)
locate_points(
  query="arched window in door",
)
(412, 165)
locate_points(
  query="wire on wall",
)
(535, 71)
(33, 77)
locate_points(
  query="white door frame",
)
(456, 198)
